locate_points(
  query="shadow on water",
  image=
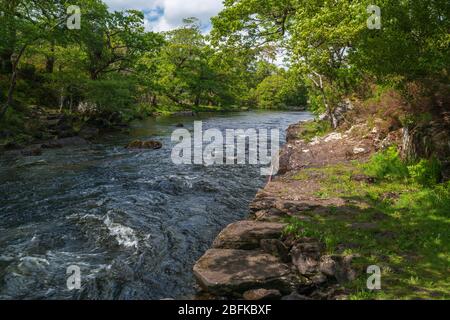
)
(133, 222)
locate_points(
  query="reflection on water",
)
(131, 220)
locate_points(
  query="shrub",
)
(387, 164)
(426, 172)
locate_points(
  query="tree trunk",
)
(50, 63)
(328, 108)
(12, 84)
(154, 100)
(9, 101)
(319, 84)
(93, 75)
(61, 100)
(197, 100)
(10, 38)
(6, 66)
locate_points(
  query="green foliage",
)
(110, 94)
(278, 91)
(387, 164)
(331, 46)
(413, 43)
(425, 172)
(315, 102)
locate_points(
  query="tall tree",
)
(23, 23)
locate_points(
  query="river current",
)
(132, 221)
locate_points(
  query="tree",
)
(113, 41)
(414, 42)
(280, 90)
(23, 22)
(264, 21)
(186, 75)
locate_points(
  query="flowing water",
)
(132, 221)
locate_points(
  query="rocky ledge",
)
(255, 259)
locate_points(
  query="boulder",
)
(277, 248)
(231, 272)
(306, 256)
(31, 152)
(346, 270)
(262, 294)
(247, 234)
(330, 292)
(138, 144)
(327, 266)
(88, 132)
(340, 110)
(340, 267)
(319, 279)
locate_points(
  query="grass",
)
(312, 129)
(410, 240)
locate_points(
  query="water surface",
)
(134, 222)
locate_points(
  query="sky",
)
(165, 15)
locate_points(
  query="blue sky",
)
(164, 15)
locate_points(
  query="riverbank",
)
(32, 133)
(315, 229)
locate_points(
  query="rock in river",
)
(32, 152)
(138, 144)
(231, 272)
(247, 234)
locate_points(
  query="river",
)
(132, 221)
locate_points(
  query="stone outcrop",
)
(247, 235)
(306, 256)
(231, 272)
(333, 148)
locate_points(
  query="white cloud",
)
(164, 15)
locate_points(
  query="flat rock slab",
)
(232, 272)
(247, 235)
